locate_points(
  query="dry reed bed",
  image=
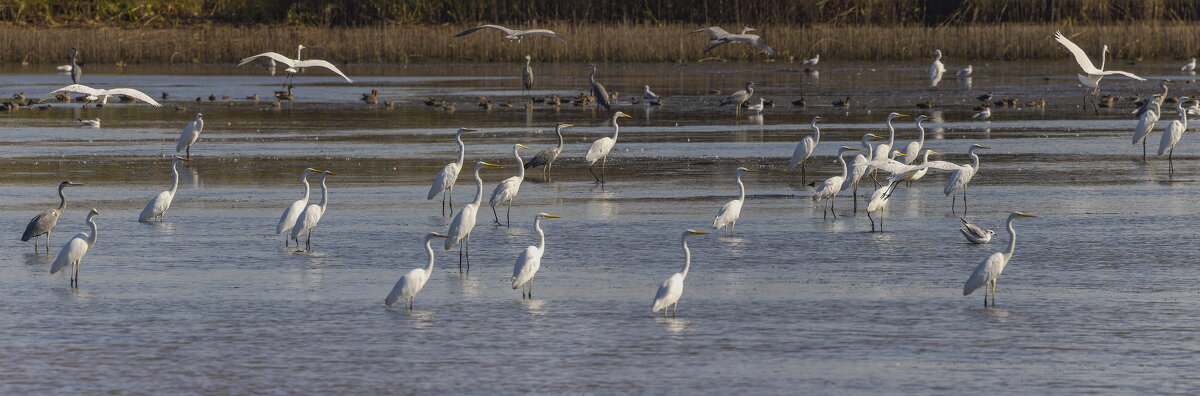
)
(594, 42)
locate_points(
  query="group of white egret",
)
(907, 165)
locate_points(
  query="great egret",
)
(444, 181)
(411, 283)
(72, 252)
(295, 65)
(547, 157)
(758, 108)
(76, 71)
(1171, 136)
(103, 94)
(989, 269)
(860, 166)
(157, 207)
(805, 148)
(527, 74)
(879, 201)
(829, 188)
(738, 97)
(668, 294)
(936, 69)
(44, 222)
(601, 147)
(292, 213)
(728, 215)
(190, 133)
(1092, 75)
(914, 148)
(508, 188)
(514, 34)
(976, 234)
(530, 260)
(1190, 66)
(960, 175)
(649, 95)
(598, 90)
(1146, 122)
(93, 123)
(722, 37)
(965, 72)
(813, 61)
(460, 228)
(1157, 98)
(884, 150)
(311, 215)
(982, 114)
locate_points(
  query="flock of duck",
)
(895, 164)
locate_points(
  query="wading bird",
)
(1171, 136)
(311, 215)
(728, 215)
(960, 175)
(598, 91)
(884, 150)
(649, 96)
(546, 158)
(829, 188)
(989, 269)
(805, 148)
(513, 34)
(982, 114)
(600, 149)
(758, 108)
(813, 61)
(1146, 122)
(976, 234)
(1189, 67)
(530, 259)
(1092, 75)
(292, 213)
(737, 98)
(527, 74)
(44, 222)
(879, 201)
(411, 283)
(936, 69)
(722, 37)
(157, 207)
(74, 69)
(507, 189)
(460, 228)
(190, 133)
(295, 65)
(914, 148)
(668, 294)
(72, 252)
(860, 166)
(444, 181)
(103, 94)
(965, 72)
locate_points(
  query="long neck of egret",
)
(842, 159)
(974, 157)
(870, 150)
(741, 187)
(616, 128)
(1182, 114)
(307, 188)
(687, 255)
(816, 132)
(175, 176)
(92, 222)
(62, 203)
(429, 252)
(537, 225)
(558, 131)
(324, 192)
(520, 169)
(478, 186)
(921, 132)
(1012, 236)
(891, 134)
(298, 48)
(1103, 57)
(462, 149)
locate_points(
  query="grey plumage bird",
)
(598, 90)
(737, 98)
(527, 74)
(547, 157)
(76, 71)
(44, 222)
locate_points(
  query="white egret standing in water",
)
(601, 147)
(828, 189)
(443, 183)
(464, 221)
(729, 214)
(668, 294)
(989, 269)
(72, 252)
(44, 222)
(879, 200)
(884, 150)
(190, 133)
(936, 69)
(1146, 122)
(311, 215)
(530, 259)
(157, 207)
(412, 282)
(859, 167)
(1171, 136)
(914, 148)
(507, 189)
(292, 213)
(960, 175)
(805, 148)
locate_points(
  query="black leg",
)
(496, 217)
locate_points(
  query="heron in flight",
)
(721, 37)
(295, 65)
(514, 34)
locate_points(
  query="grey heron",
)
(76, 71)
(513, 34)
(722, 37)
(44, 222)
(739, 97)
(527, 74)
(598, 90)
(547, 157)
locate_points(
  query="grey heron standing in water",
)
(598, 90)
(527, 74)
(44, 222)
(76, 71)
(546, 158)
(739, 97)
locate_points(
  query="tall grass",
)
(589, 42)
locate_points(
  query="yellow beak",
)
(552, 216)
(1025, 215)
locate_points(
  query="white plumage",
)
(989, 269)
(295, 65)
(73, 251)
(103, 94)
(190, 133)
(601, 147)
(464, 221)
(444, 180)
(530, 260)
(507, 189)
(672, 289)
(308, 219)
(412, 282)
(805, 148)
(292, 213)
(732, 210)
(157, 207)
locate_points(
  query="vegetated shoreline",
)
(597, 42)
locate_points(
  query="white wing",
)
(71, 252)
(189, 135)
(668, 293)
(986, 271)
(277, 57)
(1126, 74)
(544, 32)
(444, 179)
(321, 63)
(156, 206)
(86, 90)
(940, 165)
(1170, 137)
(506, 31)
(288, 220)
(714, 31)
(599, 149)
(462, 225)
(526, 266)
(1080, 56)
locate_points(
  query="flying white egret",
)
(527, 74)
(1189, 67)
(649, 95)
(860, 166)
(914, 148)
(72, 252)
(813, 61)
(74, 69)
(311, 215)
(44, 222)
(989, 269)
(983, 114)
(530, 259)
(1092, 75)
(1171, 136)
(507, 189)
(738, 97)
(829, 188)
(936, 69)
(960, 175)
(157, 207)
(668, 294)
(190, 133)
(601, 147)
(411, 283)
(879, 200)
(514, 34)
(728, 215)
(93, 123)
(598, 91)
(292, 213)
(976, 234)
(460, 228)
(805, 148)
(546, 158)
(917, 174)
(722, 37)
(444, 181)
(295, 65)
(103, 94)
(1146, 122)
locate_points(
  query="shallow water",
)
(1098, 298)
